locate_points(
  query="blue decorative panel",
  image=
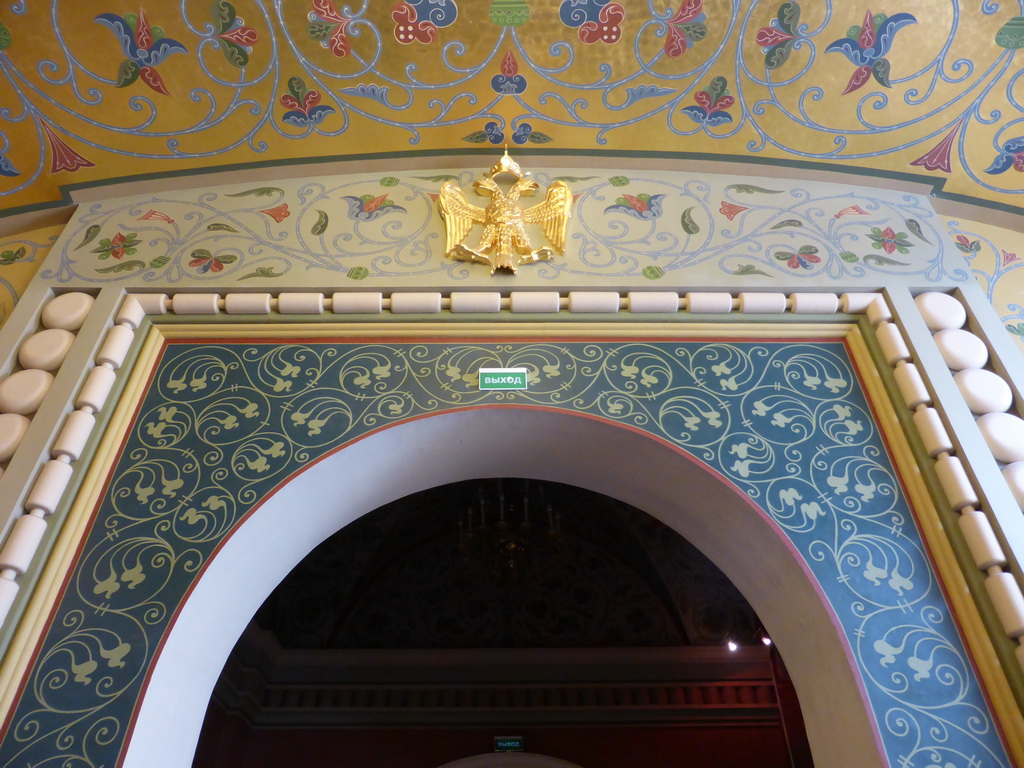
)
(222, 424)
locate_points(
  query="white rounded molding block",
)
(357, 303)
(981, 540)
(1009, 603)
(984, 391)
(961, 349)
(23, 392)
(115, 346)
(152, 303)
(542, 302)
(195, 304)
(487, 302)
(652, 301)
(941, 311)
(593, 301)
(762, 303)
(1013, 474)
(415, 303)
(911, 385)
(97, 386)
(49, 487)
(247, 303)
(67, 311)
(815, 303)
(878, 311)
(8, 591)
(132, 313)
(300, 303)
(894, 348)
(933, 431)
(708, 303)
(12, 428)
(72, 438)
(856, 303)
(1004, 435)
(22, 544)
(46, 350)
(955, 483)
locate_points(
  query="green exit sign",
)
(502, 378)
(508, 743)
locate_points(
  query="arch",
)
(620, 462)
(510, 760)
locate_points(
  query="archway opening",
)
(426, 629)
(532, 443)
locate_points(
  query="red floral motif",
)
(117, 241)
(889, 240)
(241, 36)
(684, 27)
(509, 65)
(278, 213)
(730, 210)
(849, 211)
(938, 157)
(155, 215)
(766, 37)
(408, 29)
(328, 26)
(1009, 258)
(606, 29)
(63, 157)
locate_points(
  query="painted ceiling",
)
(108, 90)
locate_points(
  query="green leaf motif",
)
(789, 16)
(224, 14)
(90, 235)
(358, 273)
(536, 137)
(440, 178)
(788, 223)
(123, 266)
(127, 73)
(778, 55)
(5, 37)
(236, 55)
(1011, 34)
(389, 181)
(228, 258)
(686, 221)
(653, 273)
(880, 69)
(258, 192)
(9, 256)
(915, 227)
(219, 227)
(201, 253)
(883, 261)
(573, 179)
(319, 30)
(749, 269)
(476, 137)
(262, 272)
(1017, 329)
(849, 257)
(159, 261)
(750, 189)
(321, 223)
(618, 181)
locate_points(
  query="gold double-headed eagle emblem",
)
(505, 243)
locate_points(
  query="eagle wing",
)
(458, 213)
(552, 214)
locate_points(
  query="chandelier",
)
(509, 531)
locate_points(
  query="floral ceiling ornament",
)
(144, 45)
(686, 27)
(505, 243)
(867, 45)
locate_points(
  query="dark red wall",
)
(228, 741)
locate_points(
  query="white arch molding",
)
(611, 459)
(510, 760)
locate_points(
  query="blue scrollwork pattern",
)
(222, 424)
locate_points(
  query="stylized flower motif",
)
(509, 81)
(595, 21)
(1011, 156)
(144, 45)
(417, 21)
(62, 157)
(205, 261)
(328, 26)
(278, 213)
(849, 210)
(491, 132)
(7, 168)
(711, 104)
(369, 207)
(779, 37)
(938, 157)
(730, 210)
(889, 241)
(966, 245)
(303, 104)
(867, 45)
(152, 215)
(802, 259)
(1009, 258)
(117, 246)
(233, 37)
(642, 206)
(686, 27)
